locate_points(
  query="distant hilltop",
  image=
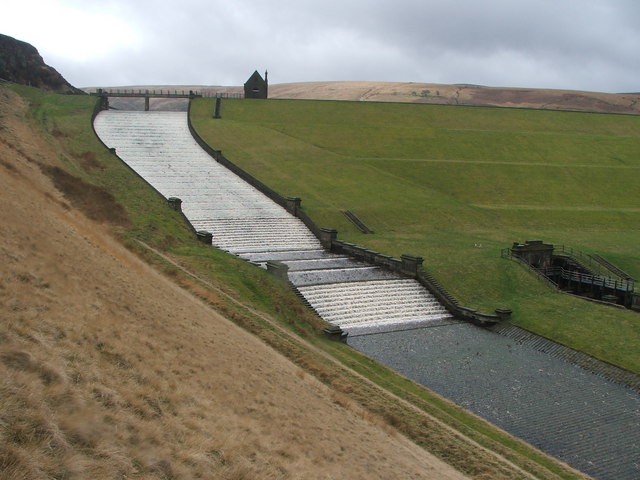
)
(429, 93)
(21, 63)
(462, 94)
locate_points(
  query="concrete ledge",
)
(335, 333)
(204, 237)
(278, 269)
(175, 203)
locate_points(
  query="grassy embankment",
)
(441, 181)
(268, 309)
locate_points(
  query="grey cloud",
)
(574, 44)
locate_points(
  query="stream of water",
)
(581, 418)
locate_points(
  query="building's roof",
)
(255, 77)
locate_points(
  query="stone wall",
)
(408, 265)
(535, 253)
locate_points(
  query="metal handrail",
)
(162, 93)
(615, 283)
(594, 262)
(607, 282)
(611, 267)
(506, 253)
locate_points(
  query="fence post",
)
(217, 109)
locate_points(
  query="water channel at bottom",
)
(570, 413)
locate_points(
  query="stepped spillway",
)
(376, 306)
(160, 148)
(245, 222)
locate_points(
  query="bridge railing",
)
(593, 262)
(506, 253)
(588, 279)
(223, 95)
(116, 92)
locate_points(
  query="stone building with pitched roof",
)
(256, 86)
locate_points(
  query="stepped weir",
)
(579, 417)
(243, 221)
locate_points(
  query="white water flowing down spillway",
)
(160, 148)
(357, 297)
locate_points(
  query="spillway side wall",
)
(290, 204)
(354, 251)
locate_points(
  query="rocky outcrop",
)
(21, 63)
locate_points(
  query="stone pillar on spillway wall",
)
(410, 264)
(175, 203)
(278, 269)
(327, 237)
(293, 205)
(205, 237)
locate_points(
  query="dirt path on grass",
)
(109, 370)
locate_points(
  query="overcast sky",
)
(568, 44)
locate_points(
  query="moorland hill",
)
(477, 95)
(416, 92)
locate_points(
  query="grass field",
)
(95, 182)
(456, 185)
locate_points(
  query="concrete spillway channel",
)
(579, 417)
(243, 221)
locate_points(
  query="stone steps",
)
(370, 303)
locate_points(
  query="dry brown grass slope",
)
(110, 370)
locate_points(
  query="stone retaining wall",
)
(408, 265)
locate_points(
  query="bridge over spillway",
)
(148, 94)
(577, 416)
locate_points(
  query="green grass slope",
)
(258, 302)
(456, 185)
